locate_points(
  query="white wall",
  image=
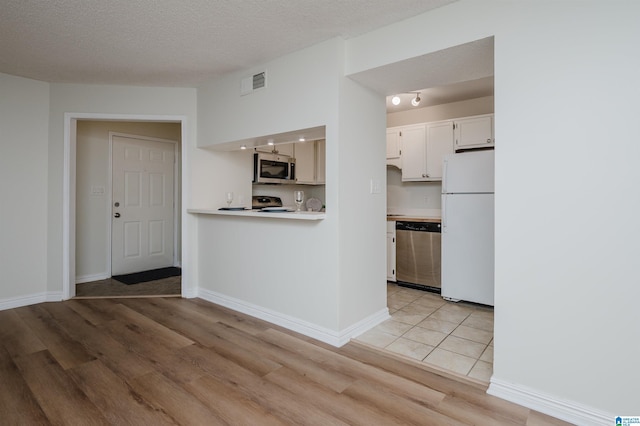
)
(292, 269)
(361, 160)
(24, 120)
(565, 94)
(425, 197)
(92, 170)
(119, 101)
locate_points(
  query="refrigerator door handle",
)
(443, 214)
(444, 176)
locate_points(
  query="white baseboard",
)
(332, 337)
(94, 277)
(568, 411)
(32, 299)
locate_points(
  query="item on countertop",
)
(275, 209)
(229, 198)
(314, 205)
(298, 197)
(260, 201)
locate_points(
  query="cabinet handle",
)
(488, 140)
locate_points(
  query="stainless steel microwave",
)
(273, 168)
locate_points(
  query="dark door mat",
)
(144, 276)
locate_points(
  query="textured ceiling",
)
(175, 42)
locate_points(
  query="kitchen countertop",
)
(302, 215)
(413, 218)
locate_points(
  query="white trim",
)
(69, 199)
(176, 180)
(323, 334)
(18, 302)
(94, 277)
(568, 411)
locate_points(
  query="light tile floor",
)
(453, 336)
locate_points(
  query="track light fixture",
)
(415, 101)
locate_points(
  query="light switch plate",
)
(97, 190)
(375, 186)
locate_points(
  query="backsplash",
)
(412, 198)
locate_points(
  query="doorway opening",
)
(454, 82)
(151, 242)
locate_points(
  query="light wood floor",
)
(160, 361)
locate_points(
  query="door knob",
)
(116, 215)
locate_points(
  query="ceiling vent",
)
(252, 83)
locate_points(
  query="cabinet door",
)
(474, 132)
(305, 162)
(321, 161)
(391, 251)
(439, 144)
(393, 144)
(414, 153)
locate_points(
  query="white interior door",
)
(142, 231)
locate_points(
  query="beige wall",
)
(92, 170)
(466, 108)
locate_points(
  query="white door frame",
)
(69, 191)
(110, 192)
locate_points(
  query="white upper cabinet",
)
(414, 152)
(419, 149)
(439, 144)
(423, 149)
(310, 162)
(393, 147)
(321, 161)
(474, 132)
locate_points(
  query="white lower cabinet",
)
(391, 251)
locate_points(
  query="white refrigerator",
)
(467, 227)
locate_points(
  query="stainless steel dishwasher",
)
(418, 255)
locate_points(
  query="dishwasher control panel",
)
(418, 226)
